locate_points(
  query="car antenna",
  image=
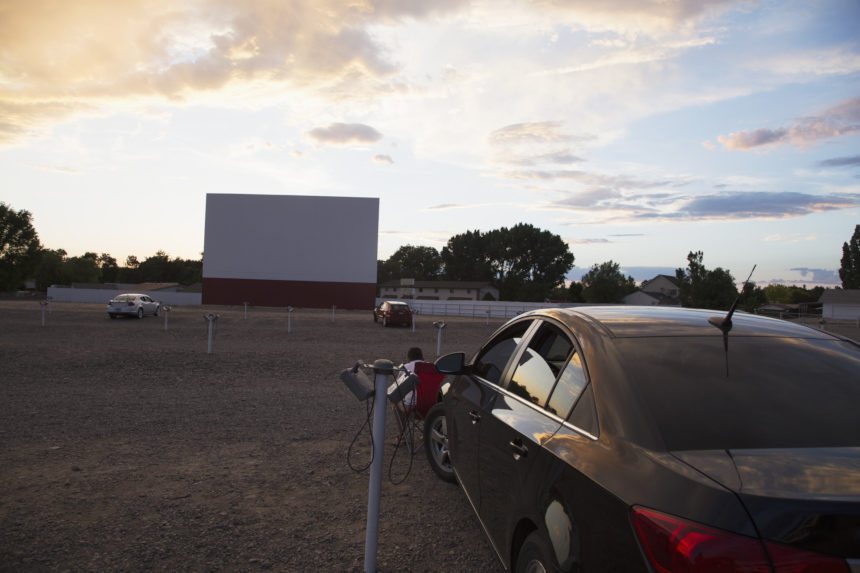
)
(725, 323)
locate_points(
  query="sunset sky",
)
(636, 130)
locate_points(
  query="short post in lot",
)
(48, 300)
(246, 309)
(211, 318)
(488, 316)
(43, 304)
(166, 311)
(439, 325)
(414, 312)
(289, 316)
(334, 306)
(382, 369)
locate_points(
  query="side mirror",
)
(451, 363)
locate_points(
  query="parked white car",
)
(133, 304)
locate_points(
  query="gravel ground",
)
(125, 447)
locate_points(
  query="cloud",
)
(789, 238)
(59, 59)
(839, 120)
(383, 159)
(345, 134)
(585, 241)
(823, 276)
(539, 132)
(853, 161)
(763, 204)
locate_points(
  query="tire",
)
(436, 444)
(536, 556)
(140, 312)
(375, 318)
(157, 309)
(112, 315)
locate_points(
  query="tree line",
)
(23, 258)
(523, 262)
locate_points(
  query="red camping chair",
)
(409, 418)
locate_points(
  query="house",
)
(438, 290)
(840, 303)
(662, 290)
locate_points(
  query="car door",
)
(525, 414)
(470, 398)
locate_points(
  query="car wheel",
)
(436, 443)
(157, 308)
(140, 312)
(535, 556)
(375, 318)
(110, 314)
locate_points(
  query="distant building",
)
(840, 303)
(662, 290)
(438, 290)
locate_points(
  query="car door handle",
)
(518, 449)
(475, 415)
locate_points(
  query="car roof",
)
(622, 321)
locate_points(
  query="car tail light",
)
(672, 544)
(130, 303)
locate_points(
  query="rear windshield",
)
(778, 393)
(124, 297)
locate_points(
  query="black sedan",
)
(657, 439)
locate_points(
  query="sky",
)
(636, 130)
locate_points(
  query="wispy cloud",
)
(839, 120)
(345, 134)
(822, 276)
(841, 162)
(383, 159)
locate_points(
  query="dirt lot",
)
(127, 447)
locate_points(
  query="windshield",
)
(779, 392)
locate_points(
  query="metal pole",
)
(383, 369)
(211, 318)
(334, 306)
(289, 317)
(246, 310)
(43, 303)
(165, 310)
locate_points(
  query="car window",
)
(492, 359)
(569, 386)
(584, 414)
(540, 364)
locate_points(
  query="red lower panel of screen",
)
(307, 294)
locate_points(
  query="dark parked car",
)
(393, 313)
(656, 439)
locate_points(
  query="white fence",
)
(477, 308)
(65, 294)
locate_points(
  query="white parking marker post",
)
(165, 310)
(439, 325)
(43, 304)
(246, 309)
(334, 306)
(211, 318)
(289, 316)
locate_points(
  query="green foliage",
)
(523, 262)
(19, 248)
(409, 262)
(752, 297)
(574, 292)
(605, 283)
(849, 271)
(701, 288)
(783, 294)
(466, 258)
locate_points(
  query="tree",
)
(700, 288)
(465, 258)
(19, 247)
(849, 271)
(419, 263)
(606, 283)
